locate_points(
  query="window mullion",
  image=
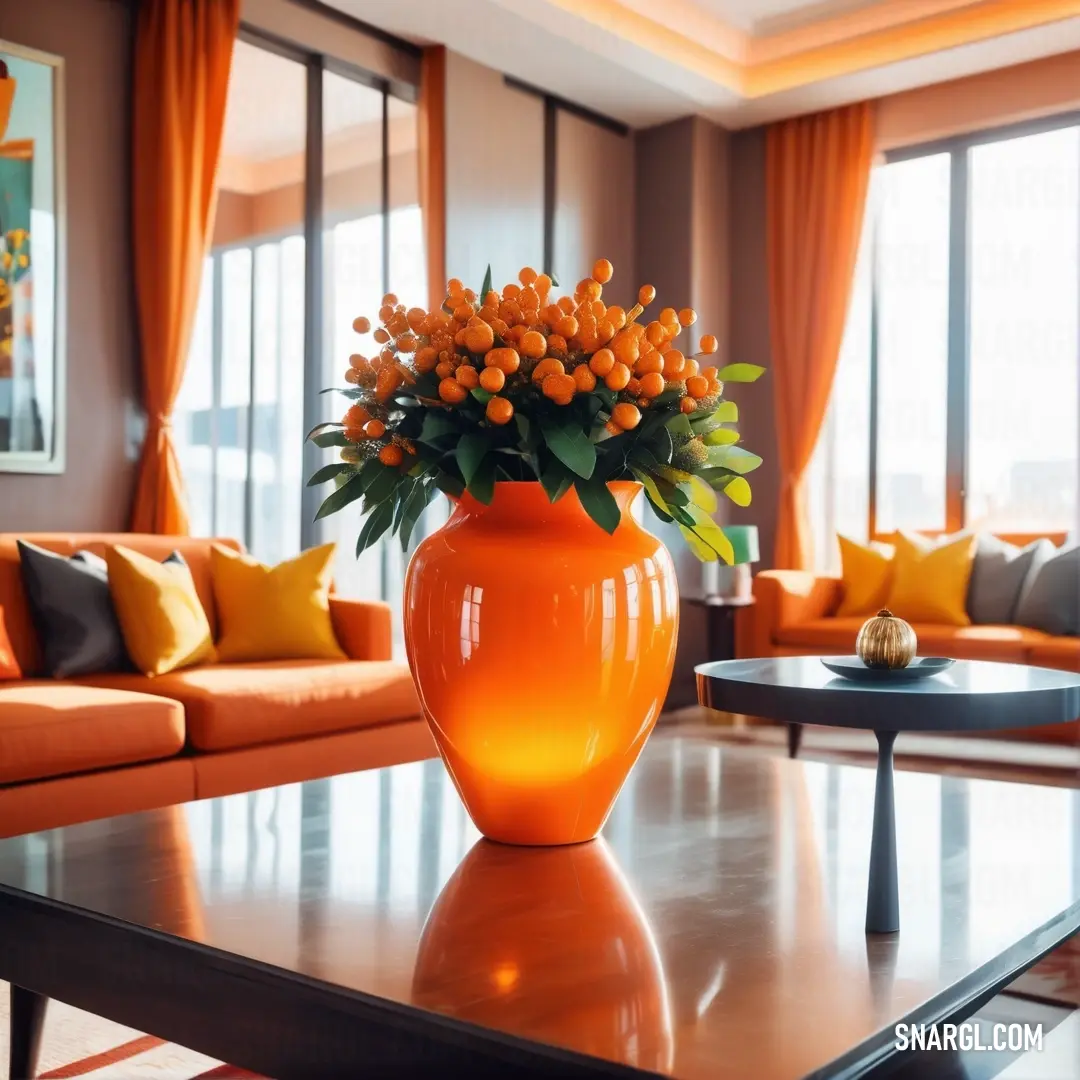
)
(875, 296)
(956, 417)
(217, 319)
(249, 481)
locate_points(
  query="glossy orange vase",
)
(542, 650)
(548, 945)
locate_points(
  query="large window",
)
(297, 254)
(956, 395)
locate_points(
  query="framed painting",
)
(32, 248)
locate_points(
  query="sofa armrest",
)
(362, 628)
(784, 598)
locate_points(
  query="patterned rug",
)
(77, 1044)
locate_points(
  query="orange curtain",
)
(432, 155)
(817, 170)
(183, 52)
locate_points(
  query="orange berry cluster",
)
(521, 341)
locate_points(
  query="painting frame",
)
(51, 459)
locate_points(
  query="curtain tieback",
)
(160, 422)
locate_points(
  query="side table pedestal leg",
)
(882, 895)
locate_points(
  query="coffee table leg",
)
(27, 1017)
(882, 895)
(794, 739)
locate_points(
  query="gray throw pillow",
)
(73, 612)
(998, 574)
(1050, 601)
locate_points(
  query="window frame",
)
(958, 367)
(316, 64)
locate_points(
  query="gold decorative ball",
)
(886, 641)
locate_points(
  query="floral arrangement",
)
(515, 385)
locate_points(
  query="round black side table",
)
(970, 696)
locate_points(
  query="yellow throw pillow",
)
(274, 613)
(867, 570)
(160, 614)
(930, 580)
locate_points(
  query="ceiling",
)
(740, 62)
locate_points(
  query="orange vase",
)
(542, 650)
(551, 946)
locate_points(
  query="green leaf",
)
(349, 492)
(663, 515)
(571, 446)
(371, 468)
(606, 397)
(740, 373)
(330, 438)
(724, 436)
(738, 491)
(449, 484)
(522, 423)
(734, 458)
(727, 412)
(554, 279)
(437, 425)
(652, 493)
(329, 425)
(482, 395)
(556, 480)
(599, 503)
(679, 424)
(328, 472)
(381, 486)
(482, 485)
(697, 545)
(378, 521)
(414, 506)
(702, 495)
(710, 534)
(486, 287)
(666, 398)
(469, 452)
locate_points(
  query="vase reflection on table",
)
(552, 942)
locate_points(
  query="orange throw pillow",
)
(9, 666)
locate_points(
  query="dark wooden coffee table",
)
(354, 927)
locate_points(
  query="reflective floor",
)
(715, 931)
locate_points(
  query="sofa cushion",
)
(164, 624)
(24, 640)
(230, 705)
(274, 612)
(998, 575)
(1004, 643)
(72, 611)
(1050, 600)
(52, 729)
(1057, 652)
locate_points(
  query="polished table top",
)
(715, 931)
(972, 695)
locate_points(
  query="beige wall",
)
(594, 204)
(494, 175)
(683, 210)
(749, 338)
(94, 492)
(1026, 91)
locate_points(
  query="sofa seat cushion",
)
(54, 729)
(1009, 644)
(232, 705)
(1057, 652)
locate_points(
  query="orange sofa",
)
(111, 744)
(794, 616)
